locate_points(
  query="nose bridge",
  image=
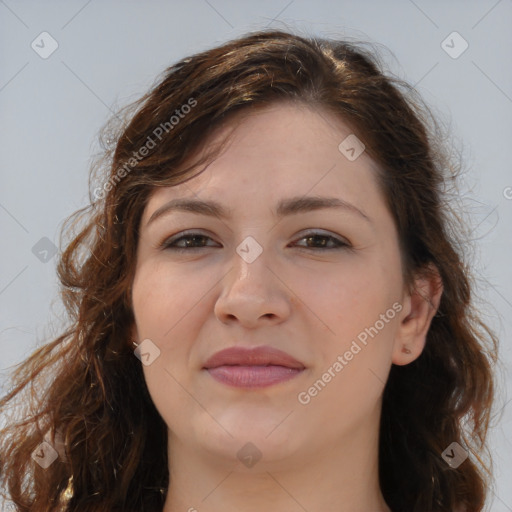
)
(251, 261)
(249, 250)
(251, 291)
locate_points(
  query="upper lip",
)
(257, 356)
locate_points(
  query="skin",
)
(297, 297)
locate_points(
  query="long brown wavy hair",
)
(85, 393)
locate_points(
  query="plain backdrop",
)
(107, 53)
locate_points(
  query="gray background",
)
(110, 52)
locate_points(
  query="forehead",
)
(277, 151)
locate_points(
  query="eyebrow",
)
(285, 207)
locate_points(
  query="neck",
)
(344, 480)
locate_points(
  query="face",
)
(321, 282)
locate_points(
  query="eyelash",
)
(168, 243)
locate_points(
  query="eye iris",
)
(191, 241)
(316, 238)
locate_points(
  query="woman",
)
(269, 310)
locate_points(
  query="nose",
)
(253, 294)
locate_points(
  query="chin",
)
(268, 440)
(244, 454)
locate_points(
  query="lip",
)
(257, 356)
(252, 367)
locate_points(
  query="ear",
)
(419, 307)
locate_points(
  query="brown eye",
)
(189, 241)
(317, 240)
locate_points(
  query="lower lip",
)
(253, 376)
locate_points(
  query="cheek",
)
(350, 297)
(358, 323)
(161, 304)
(170, 307)
(354, 355)
(163, 301)
(162, 295)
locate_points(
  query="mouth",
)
(252, 367)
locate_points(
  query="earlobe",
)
(422, 304)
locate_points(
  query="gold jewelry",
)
(68, 492)
(405, 350)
